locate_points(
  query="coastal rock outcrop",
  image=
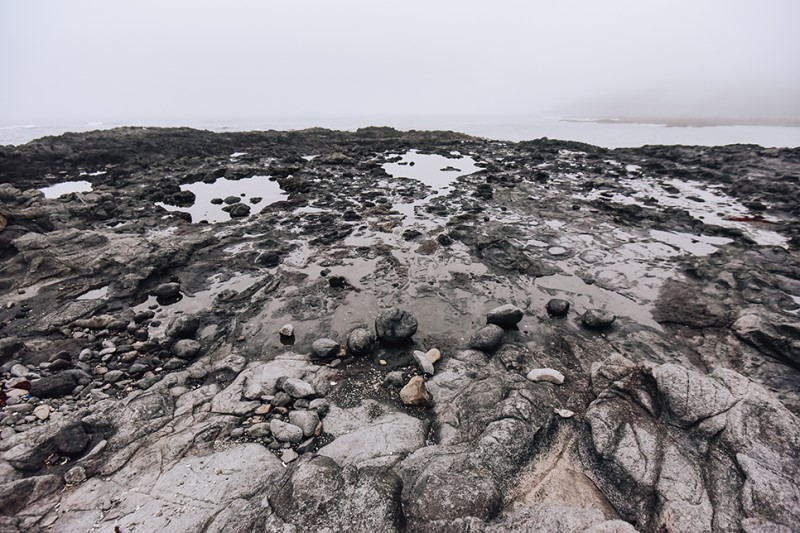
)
(557, 340)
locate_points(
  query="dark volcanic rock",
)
(364, 499)
(779, 339)
(734, 418)
(9, 347)
(167, 290)
(447, 496)
(359, 341)
(239, 210)
(53, 386)
(183, 327)
(504, 316)
(696, 430)
(597, 318)
(557, 307)
(487, 338)
(395, 326)
(71, 440)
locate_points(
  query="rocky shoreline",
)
(397, 331)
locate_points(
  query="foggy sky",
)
(139, 60)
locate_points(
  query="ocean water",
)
(508, 128)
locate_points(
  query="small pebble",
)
(289, 455)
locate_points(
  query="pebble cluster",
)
(288, 422)
(116, 356)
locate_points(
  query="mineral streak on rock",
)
(158, 404)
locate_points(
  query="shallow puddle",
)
(702, 202)
(193, 303)
(353, 269)
(246, 189)
(585, 296)
(435, 171)
(696, 245)
(96, 294)
(55, 191)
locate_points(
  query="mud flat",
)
(397, 331)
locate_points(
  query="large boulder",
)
(325, 348)
(395, 326)
(488, 338)
(54, 386)
(183, 327)
(504, 316)
(372, 434)
(359, 341)
(166, 291)
(71, 440)
(185, 348)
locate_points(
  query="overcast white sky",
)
(106, 60)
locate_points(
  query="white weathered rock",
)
(297, 388)
(42, 412)
(423, 362)
(546, 374)
(287, 330)
(20, 371)
(289, 455)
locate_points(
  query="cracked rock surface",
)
(561, 338)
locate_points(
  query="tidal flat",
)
(389, 331)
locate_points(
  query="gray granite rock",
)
(285, 432)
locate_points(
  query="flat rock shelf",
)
(394, 331)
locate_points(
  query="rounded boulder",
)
(504, 316)
(395, 325)
(487, 338)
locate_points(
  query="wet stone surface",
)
(478, 335)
